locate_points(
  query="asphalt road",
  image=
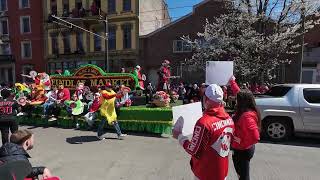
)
(77, 155)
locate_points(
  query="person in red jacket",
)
(247, 125)
(63, 94)
(210, 144)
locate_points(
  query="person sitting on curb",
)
(16, 150)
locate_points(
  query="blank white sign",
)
(219, 72)
(186, 116)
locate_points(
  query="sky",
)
(179, 8)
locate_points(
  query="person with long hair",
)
(247, 130)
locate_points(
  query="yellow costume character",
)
(108, 111)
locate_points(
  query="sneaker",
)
(121, 136)
(20, 114)
(101, 138)
(77, 126)
(52, 119)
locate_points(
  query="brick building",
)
(166, 43)
(311, 60)
(21, 49)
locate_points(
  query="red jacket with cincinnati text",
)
(210, 145)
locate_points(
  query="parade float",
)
(134, 118)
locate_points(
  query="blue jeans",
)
(115, 125)
(46, 107)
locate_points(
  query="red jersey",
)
(166, 74)
(95, 106)
(210, 145)
(63, 94)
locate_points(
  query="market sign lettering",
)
(91, 76)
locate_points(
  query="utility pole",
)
(303, 19)
(106, 50)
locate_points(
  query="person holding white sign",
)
(210, 144)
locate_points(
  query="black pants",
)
(241, 161)
(5, 125)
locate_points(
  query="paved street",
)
(76, 155)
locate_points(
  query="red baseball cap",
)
(108, 84)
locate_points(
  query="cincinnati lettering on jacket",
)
(221, 124)
(196, 138)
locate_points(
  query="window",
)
(278, 91)
(66, 43)
(112, 38)
(312, 95)
(78, 4)
(24, 4)
(26, 70)
(3, 5)
(97, 43)
(53, 7)
(127, 36)
(4, 27)
(5, 49)
(25, 24)
(307, 76)
(126, 5)
(65, 8)
(98, 3)
(79, 40)
(54, 44)
(111, 6)
(26, 50)
(181, 46)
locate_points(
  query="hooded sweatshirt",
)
(12, 152)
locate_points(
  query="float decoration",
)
(93, 76)
(161, 99)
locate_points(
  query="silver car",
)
(290, 108)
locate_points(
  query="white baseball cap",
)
(214, 93)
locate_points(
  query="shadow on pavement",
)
(81, 139)
(297, 141)
(147, 134)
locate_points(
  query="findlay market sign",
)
(92, 75)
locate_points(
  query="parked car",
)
(288, 109)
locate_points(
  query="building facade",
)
(69, 47)
(311, 59)
(166, 42)
(152, 15)
(21, 46)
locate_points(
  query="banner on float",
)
(92, 75)
(219, 72)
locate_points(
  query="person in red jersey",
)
(210, 143)
(247, 125)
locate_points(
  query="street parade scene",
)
(159, 89)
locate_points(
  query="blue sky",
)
(179, 8)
